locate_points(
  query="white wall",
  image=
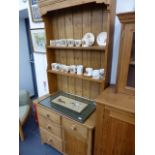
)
(23, 4)
(41, 74)
(121, 6)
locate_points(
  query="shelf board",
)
(75, 76)
(97, 48)
(132, 62)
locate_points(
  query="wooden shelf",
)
(132, 62)
(97, 48)
(76, 76)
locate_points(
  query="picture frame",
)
(35, 11)
(38, 40)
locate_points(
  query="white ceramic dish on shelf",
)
(88, 72)
(101, 39)
(88, 40)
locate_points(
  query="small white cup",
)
(88, 71)
(96, 74)
(66, 68)
(79, 69)
(101, 73)
(53, 66)
(57, 67)
(77, 43)
(52, 42)
(72, 69)
(63, 42)
(84, 43)
(70, 42)
(57, 42)
(62, 67)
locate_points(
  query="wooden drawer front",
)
(50, 139)
(75, 128)
(49, 126)
(52, 116)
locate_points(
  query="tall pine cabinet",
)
(65, 19)
(115, 120)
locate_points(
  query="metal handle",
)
(50, 140)
(31, 61)
(73, 127)
(48, 115)
(49, 127)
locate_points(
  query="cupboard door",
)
(75, 128)
(113, 136)
(126, 66)
(73, 144)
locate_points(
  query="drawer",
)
(51, 139)
(74, 127)
(49, 126)
(50, 115)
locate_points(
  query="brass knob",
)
(49, 127)
(48, 115)
(50, 140)
(73, 127)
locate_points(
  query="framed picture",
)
(38, 40)
(35, 12)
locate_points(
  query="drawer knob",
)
(73, 127)
(48, 115)
(49, 127)
(50, 140)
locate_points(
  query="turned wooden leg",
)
(21, 132)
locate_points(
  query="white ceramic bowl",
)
(101, 39)
(72, 69)
(88, 71)
(88, 39)
(96, 74)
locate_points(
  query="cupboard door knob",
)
(49, 127)
(73, 127)
(50, 140)
(48, 115)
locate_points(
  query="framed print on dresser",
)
(35, 12)
(38, 40)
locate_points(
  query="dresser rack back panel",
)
(74, 22)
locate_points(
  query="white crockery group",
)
(79, 70)
(87, 41)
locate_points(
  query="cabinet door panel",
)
(74, 128)
(73, 145)
(116, 137)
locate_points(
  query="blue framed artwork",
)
(35, 11)
(38, 40)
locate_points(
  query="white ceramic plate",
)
(101, 39)
(88, 40)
